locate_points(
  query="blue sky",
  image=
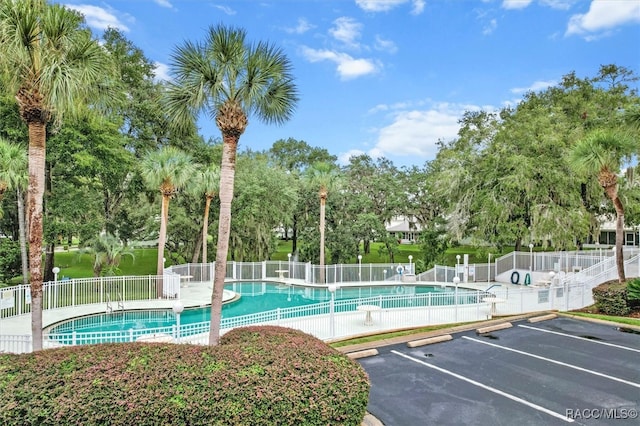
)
(391, 77)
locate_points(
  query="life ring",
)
(515, 277)
(399, 289)
(400, 269)
(527, 279)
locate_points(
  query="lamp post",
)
(332, 326)
(55, 271)
(384, 271)
(456, 281)
(410, 259)
(360, 267)
(457, 265)
(290, 273)
(531, 256)
(177, 308)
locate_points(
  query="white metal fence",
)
(569, 289)
(16, 300)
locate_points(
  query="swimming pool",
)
(256, 297)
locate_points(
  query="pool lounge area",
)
(333, 318)
(250, 299)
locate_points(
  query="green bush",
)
(633, 292)
(10, 265)
(256, 376)
(611, 298)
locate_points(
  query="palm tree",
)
(323, 176)
(207, 184)
(167, 169)
(13, 174)
(49, 62)
(107, 252)
(13, 166)
(229, 80)
(602, 153)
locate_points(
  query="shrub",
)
(611, 298)
(256, 376)
(10, 265)
(633, 292)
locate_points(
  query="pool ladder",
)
(110, 306)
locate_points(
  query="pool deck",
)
(192, 294)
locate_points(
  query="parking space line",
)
(564, 364)
(580, 338)
(486, 387)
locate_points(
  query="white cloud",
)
(386, 5)
(385, 45)
(161, 72)
(164, 3)
(535, 87)
(347, 31)
(347, 66)
(490, 27)
(603, 16)
(302, 27)
(225, 9)
(559, 4)
(344, 157)
(98, 17)
(418, 7)
(416, 132)
(515, 4)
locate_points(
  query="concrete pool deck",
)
(198, 294)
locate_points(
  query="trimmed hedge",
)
(611, 298)
(256, 376)
(633, 292)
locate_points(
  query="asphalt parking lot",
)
(553, 372)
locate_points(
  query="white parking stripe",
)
(580, 338)
(486, 387)
(564, 364)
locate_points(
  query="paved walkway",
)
(197, 294)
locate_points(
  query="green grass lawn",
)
(73, 266)
(476, 255)
(144, 262)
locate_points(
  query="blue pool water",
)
(255, 297)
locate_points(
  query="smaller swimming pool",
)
(256, 297)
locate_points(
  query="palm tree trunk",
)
(322, 220)
(49, 261)
(294, 235)
(23, 237)
(227, 176)
(205, 229)
(162, 238)
(619, 239)
(195, 258)
(37, 147)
